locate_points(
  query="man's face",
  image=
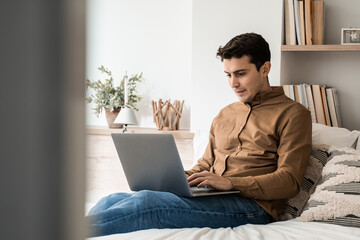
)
(244, 78)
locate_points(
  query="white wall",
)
(153, 37)
(215, 22)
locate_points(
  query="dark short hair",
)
(248, 44)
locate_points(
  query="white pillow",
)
(341, 137)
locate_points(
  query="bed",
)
(290, 229)
(329, 210)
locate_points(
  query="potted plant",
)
(111, 99)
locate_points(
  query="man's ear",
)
(266, 69)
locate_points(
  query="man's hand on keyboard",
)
(206, 178)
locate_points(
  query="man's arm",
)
(294, 152)
(206, 161)
(200, 174)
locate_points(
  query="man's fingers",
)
(204, 183)
(197, 175)
(203, 179)
(197, 181)
(210, 179)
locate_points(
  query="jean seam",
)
(250, 215)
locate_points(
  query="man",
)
(259, 145)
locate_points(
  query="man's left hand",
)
(206, 178)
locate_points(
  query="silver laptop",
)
(152, 162)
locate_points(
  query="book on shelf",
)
(296, 93)
(302, 21)
(299, 95)
(337, 107)
(319, 110)
(317, 22)
(286, 90)
(307, 14)
(290, 35)
(302, 95)
(331, 104)
(325, 105)
(310, 101)
(297, 22)
(291, 92)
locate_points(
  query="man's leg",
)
(122, 212)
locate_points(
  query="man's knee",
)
(148, 195)
(114, 198)
(154, 198)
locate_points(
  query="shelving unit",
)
(320, 48)
(178, 134)
(332, 64)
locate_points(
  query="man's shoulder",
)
(294, 107)
(292, 112)
(285, 112)
(289, 106)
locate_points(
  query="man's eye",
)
(240, 74)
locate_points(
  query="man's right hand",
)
(206, 178)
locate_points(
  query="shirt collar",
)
(263, 97)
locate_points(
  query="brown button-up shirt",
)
(262, 147)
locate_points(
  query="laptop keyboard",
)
(202, 189)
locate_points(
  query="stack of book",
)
(322, 102)
(304, 22)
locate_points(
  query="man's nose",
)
(233, 82)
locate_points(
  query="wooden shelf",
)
(320, 48)
(99, 130)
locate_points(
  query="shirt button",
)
(239, 147)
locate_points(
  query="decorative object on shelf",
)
(127, 114)
(111, 98)
(126, 117)
(350, 36)
(111, 116)
(167, 115)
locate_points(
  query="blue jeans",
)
(124, 212)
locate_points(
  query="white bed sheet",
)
(291, 230)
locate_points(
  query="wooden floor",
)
(104, 172)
